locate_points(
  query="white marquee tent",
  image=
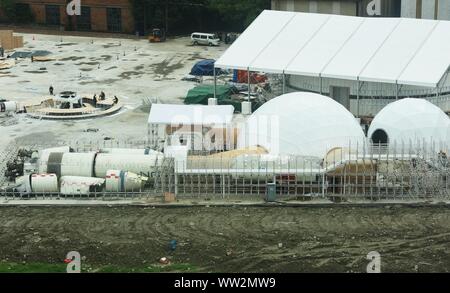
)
(301, 123)
(170, 114)
(190, 120)
(411, 123)
(390, 50)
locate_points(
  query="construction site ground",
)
(130, 68)
(226, 239)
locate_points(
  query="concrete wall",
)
(316, 6)
(427, 9)
(444, 10)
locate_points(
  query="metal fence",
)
(403, 172)
(419, 171)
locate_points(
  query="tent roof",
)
(190, 114)
(393, 50)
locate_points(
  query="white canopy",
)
(190, 114)
(393, 50)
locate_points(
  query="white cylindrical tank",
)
(124, 151)
(45, 153)
(7, 107)
(78, 164)
(120, 181)
(132, 163)
(71, 164)
(75, 185)
(44, 183)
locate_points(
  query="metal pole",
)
(320, 84)
(248, 80)
(215, 83)
(357, 99)
(396, 90)
(284, 83)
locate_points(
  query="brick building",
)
(96, 15)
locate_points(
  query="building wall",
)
(444, 10)
(98, 12)
(428, 9)
(348, 7)
(409, 8)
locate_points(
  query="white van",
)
(205, 39)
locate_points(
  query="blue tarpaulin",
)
(204, 68)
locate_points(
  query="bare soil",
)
(232, 239)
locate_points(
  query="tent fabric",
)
(203, 68)
(392, 50)
(170, 114)
(410, 122)
(303, 124)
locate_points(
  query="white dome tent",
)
(303, 124)
(410, 123)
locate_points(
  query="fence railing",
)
(419, 171)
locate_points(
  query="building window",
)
(84, 20)
(114, 19)
(23, 13)
(52, 15)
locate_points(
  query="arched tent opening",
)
(380, 137)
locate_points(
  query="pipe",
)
(215, 83)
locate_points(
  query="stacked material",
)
(8, 41)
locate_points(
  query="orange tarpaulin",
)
(242, 77)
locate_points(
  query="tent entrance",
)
(380, 137)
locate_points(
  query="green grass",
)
(61, 268)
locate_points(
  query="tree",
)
(237, 15)
(184, 16)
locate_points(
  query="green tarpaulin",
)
(200, 94)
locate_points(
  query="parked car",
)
(205, 39)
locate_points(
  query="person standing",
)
(50, 89)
